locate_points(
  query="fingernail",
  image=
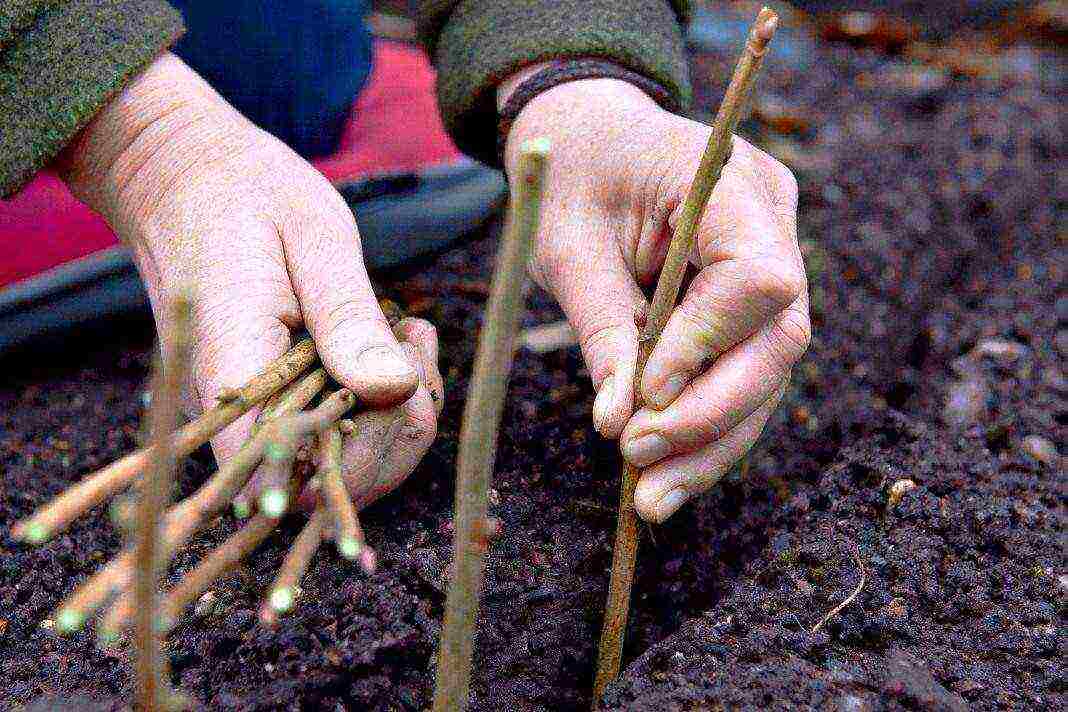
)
(381, 361)
(663, 396)
(670, 503)
(646, 450)
(603, 402)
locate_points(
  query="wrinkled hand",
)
(620, 171)
(207, 201)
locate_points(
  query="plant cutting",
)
(717, 151)
(478, 434)
(285, 389)
(153, 686)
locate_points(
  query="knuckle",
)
(420, 423)
(712, 421)
(699, 324)
(780, 281)
(785, 181)
(416, 329)
(351, 312)
(791, 335)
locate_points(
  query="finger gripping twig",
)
(624, 553)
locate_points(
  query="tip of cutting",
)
(242, 509)
(31, 533)
(348, 547)
(766, 24)
(273, 503)
(536, 147)
(282, 599)
(69, 621)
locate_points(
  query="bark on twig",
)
(478, 437)
(151, 669)
(191, 514)
(283, 592)
(187, 518)
(348, 534)
(95, 488)
(292, 398)
(220, 561)
(715, 156)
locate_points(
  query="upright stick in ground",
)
(153, 689)
(478, 436)
(715, 156)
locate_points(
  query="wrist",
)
(165, 121)
(576, 112)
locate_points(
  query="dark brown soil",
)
(933, 222)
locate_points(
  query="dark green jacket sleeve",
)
(60, 62)
(475, 44)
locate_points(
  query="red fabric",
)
(394, 126)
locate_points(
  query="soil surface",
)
(932, 217)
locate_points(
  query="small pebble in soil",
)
(897, 491)
(966, 402)
(205, 605)
(1040, 448)
(1000, 350)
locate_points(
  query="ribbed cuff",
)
(483, 42)
(58, 73)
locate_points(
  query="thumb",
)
(601, 299)
(354, 339)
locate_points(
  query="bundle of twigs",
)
(285, 389)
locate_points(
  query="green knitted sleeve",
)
(61, 64)
(476, 44)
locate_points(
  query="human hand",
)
(620, 171)
(206, 200)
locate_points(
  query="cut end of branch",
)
(31, 532)
(274, 502)
(69, 621)
(540, 147)
(764, 28)
(242, 509)
(349, 548)
(282, 599)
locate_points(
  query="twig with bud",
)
(478, 435)
(624, 554)
(153, 686)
